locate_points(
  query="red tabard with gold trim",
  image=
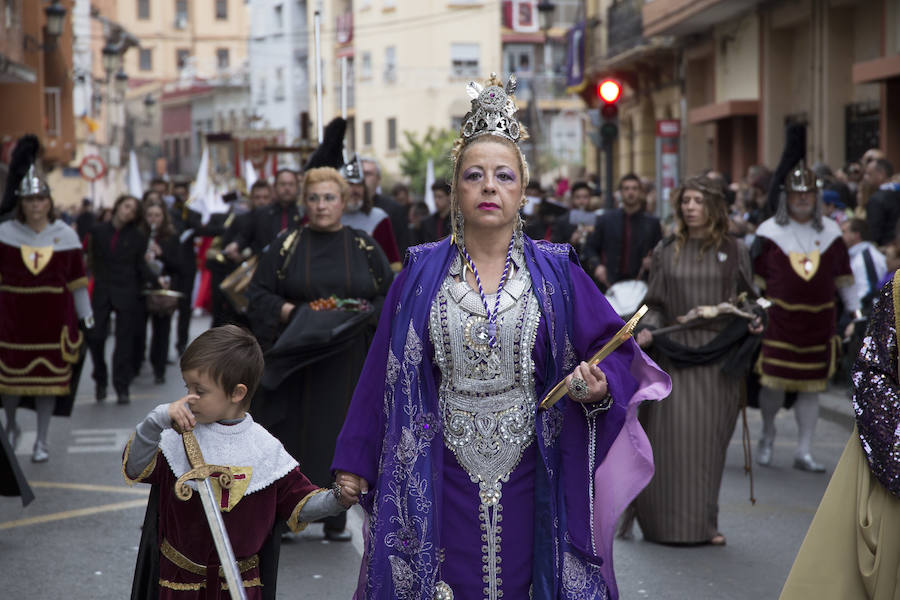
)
(799, 344)
(39, 335)
(188, 564)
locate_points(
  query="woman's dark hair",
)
(166, 229)
(138, 215)
(716, 212)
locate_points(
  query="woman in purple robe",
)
(471, 490)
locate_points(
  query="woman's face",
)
(489, 185)
(153, 214)
(693, 209)
(324, 206)
(127, 211)
(36, 208)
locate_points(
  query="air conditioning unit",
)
(181, 22)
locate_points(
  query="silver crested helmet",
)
(32, 184)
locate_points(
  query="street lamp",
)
(56, 23)
(112, 58)
(56, 19)
(545, 14)
(121, 83)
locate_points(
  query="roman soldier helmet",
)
(352, 170)
(801, 179)
(25, 177)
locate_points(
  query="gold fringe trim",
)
(294, 522)
(794, 365)
(182, 587)
(793, 348)
(34, 390)
(243, 565)
(255, 582)
(793, 385)
(60, 379)
(77, 283)
(39, 289)
(843, 281)
(180, 560)
(760, 282)
(70, 350)
(147, 470)
(40, 360)
(14, 346)
(801, 307)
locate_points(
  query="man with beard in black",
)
(261, 226)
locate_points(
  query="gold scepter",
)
(561, 389)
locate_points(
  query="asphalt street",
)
(79, 538)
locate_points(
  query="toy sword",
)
(201, 472)
(561, 388)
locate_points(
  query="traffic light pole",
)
(608, 173)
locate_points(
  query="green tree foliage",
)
(436, 145)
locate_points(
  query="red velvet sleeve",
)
(293, 490)
(384, 235)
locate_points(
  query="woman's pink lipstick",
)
(488, 206)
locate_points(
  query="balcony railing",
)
(541, 87)
(625, 26)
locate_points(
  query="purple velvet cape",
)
(392, 436)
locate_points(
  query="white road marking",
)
(89, 441)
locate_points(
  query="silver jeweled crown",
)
(493, 110)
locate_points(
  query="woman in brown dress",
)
(700, 264)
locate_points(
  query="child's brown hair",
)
(230, 356)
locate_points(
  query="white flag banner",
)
(429, 181)
(135, 187)
(250, 176)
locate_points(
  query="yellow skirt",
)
(852, 548)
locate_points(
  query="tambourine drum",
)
(234, 287)
(162, 302)
(626, 296)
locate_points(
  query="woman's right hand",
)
(286, 310)
(352, 486)
(644, 338)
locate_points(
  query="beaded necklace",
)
(491, 316)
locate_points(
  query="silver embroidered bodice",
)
(487, 394)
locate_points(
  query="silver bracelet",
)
(600, 406)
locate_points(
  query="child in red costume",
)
(221, 369)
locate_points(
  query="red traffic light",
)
(609, 90)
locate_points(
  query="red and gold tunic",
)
(39, 335)
(270, 486)
(800, 270)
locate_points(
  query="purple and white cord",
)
(491, 316)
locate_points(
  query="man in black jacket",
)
(397, 213)
(623, 238)
(437, 225)
(883, 208)
(188, 225)
(260, 227)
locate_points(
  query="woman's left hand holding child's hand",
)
(180, 413)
